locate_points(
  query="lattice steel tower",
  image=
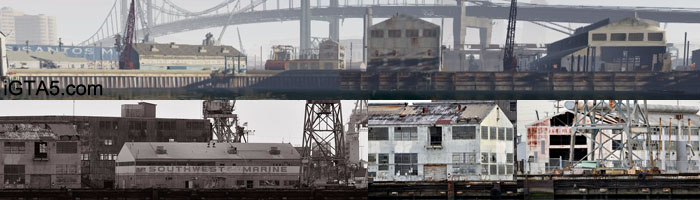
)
(323, 146)
(221, 112)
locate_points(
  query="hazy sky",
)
(272, 120)
(78, 19)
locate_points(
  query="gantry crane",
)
(221, 112)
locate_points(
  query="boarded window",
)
(599, 37)
(430, 33)
(66, 147)
(636, 36)
(406, 163)
(14, 147)
(412, 33)
(14, 174)
(383, 161)
(463, 132)
(380, 133)
(395, 33)
(406, 133)
(618, 37)
(655, 36)
(377, 33)
(484, 132)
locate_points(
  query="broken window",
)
(405, 133)
(14, 174)
(618, 37)
(66, 147)
(599, 37)
(377, 33)
(435, 135)
(636, 36)
(484, 132)
(493, 133)
(383, 161)
(412, 33)
(565, 119)
(484, 157)
(493, 158)
(379, 133)
(485, 169)
(406, 163)
(655, 36)
(14, 147)
(463, 132)
(372, 158)
(41, 150)
(394, 33)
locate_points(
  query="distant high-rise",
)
(37, 29)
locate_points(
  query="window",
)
(167, 125)
(85, 156)
(412, 33)
(377, 33)
(109, 125)
(617, 145)
(493, 158)
(501, 133)
(655, 36)
(509, 169)
(372, 158)
(406, 133)
(394, 33)
(14, 147)
(240, 182)
(383, 161)
(406, 163)
(693, 131)
(269, 182)
(513, 106)
(484, 157)
(14, 174)
(484, 132)
(636, 36)
(66, 169)
(463, 157)
(108, 142)
(494, 133)
(618, 37)
(485, 169)
(108, 156)
(509, 157)
(435, 135)
(381, 133)
(41, 151)
(509, 133)
(501, 169)
(137, 125)
(430, 33)
(66, 147)
(463, 132)
(599, 37)
(493, 169)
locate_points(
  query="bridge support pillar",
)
(305, 32)
(458, 26)
(334, 24)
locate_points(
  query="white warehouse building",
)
(439, 141)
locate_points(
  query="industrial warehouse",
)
(440, 141)
(140, 151)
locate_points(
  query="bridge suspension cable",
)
(108, 28)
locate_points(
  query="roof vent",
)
(174, 46)
(154, 48)
(202, 50)
(232, 150)
(161, 150)
(224, 50)
(274, 151)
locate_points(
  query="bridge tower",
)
(305, 32)
(323, 146)
(334, 24)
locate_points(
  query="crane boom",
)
(233, 13)
(510, 62)
(125, 56)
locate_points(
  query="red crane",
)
(510, 62)
(125, 61)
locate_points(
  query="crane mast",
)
(510, 62)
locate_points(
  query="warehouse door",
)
(435, 172)
(40, 181)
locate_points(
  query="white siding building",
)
(439, 141)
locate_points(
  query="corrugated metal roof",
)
(27, 132)
(200, 151)
(185, 50)
(429, 113)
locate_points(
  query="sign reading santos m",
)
(209, 169)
